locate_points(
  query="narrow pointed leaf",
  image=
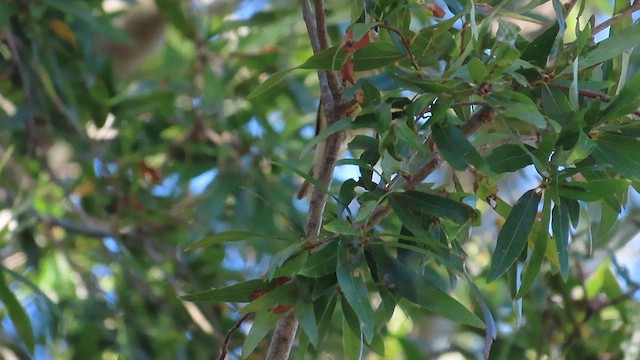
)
(513, 236)
(352, 280)
(17, 314)
(560, 227)
(455, 147)
(220, 238)
(539, 248)
(263, 322)
(307, 318)
(234, 293)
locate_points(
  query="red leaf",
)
(281, 309)
(347, 70)
(349, 45)
(152, 175)
(436, 10)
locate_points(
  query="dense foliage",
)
(150, 157)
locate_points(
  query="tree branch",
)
(590, 94)
(482, 116)
(615, 18)
(331, 102)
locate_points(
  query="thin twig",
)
(590, 94)
(227, 339)
(615, 18)
(482, 116)
(406, 43)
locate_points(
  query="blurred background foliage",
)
(127, 135)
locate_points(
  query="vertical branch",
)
(332, 103)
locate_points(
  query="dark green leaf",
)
(234, 293)
(620, 152)
(17, 314)
(417, 289)
(220, 238)
(490, 323)
(432, 205)
(509, 158)
(455, 147)
(322, 262)
(592, 190)
(560, 227)
(307, 318)
(513, 236)
(538, 50)
(173, 12)
(352, 345)
(263, 322)
(626, 102)
(351, 274)
(540, 238)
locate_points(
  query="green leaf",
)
(556, 105)
(509, 158)
(17, 314)
(357, 7)
(626, 102)
(455, 147)
(620, 152)
(289, 267)
(220, 238)
(263, 322)
(6, 11)
(340, 125)
(409, 137)
(352, 345)
(271, 82)
(517, 106)
(433, 205)
(351, 276)
(401, 281)
(342, 227)
(330, 59)
(609, 48)
(321, 263)
(307, 318)
(477, 70)
(173, 12)
(540, 238)
(513, 235)
(278, 294)
(235, 293)
(376, 55)
(490, 323)
(592, 190)
(538, 50)
(560, 227)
